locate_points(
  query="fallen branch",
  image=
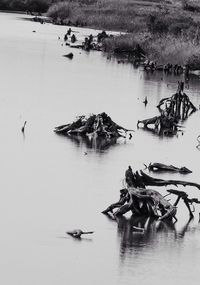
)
(160, 167)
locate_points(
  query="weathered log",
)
(151, 181)
(69, 55)
(78, 233)
(160, 167)
(141, 179)
(160, 124)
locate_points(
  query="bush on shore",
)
(61, 10)
(162, 49)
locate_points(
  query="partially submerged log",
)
(142, 179)
(160, 167)
(78, 233)
(162, 125)
(69, 55)
(148, 202)
(100, 125)
(172, 110)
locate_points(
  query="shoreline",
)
(162, 51)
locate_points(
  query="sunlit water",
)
(48, 185)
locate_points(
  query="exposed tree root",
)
(100, 125)
(173, 109)
(148, 202)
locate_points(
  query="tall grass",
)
(101, 14)
(160, 48)
(167, 30)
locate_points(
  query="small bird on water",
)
(78, 233)
(23, 128)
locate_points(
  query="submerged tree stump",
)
(148, 202)
(100, 125)
(172, 110)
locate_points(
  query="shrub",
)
(60, 10)
(4, 5)
(37, 5)
(194, 61)
(190, 6)
(157, 23)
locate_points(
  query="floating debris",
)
(78, 233)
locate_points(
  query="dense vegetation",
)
(26, 5)
(168, 30)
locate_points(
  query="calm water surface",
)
(48, 185)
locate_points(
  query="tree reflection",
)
(98, 144)
(133, 240)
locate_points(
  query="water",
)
(48, 185)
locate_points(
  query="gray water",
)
(48, 185)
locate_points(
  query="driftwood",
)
(69, 55)
(78, 233)
(140, 179)
(160, 167)
(100, 125)
(148, 202)
(162, 125)
(172, 110)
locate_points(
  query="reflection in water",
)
(98, 144)
(132, 239)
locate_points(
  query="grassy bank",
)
(167, 30)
